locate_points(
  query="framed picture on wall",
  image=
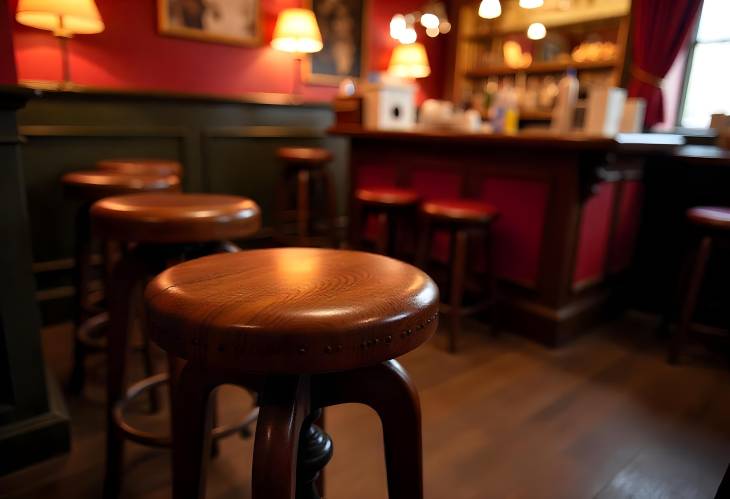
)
(343, 24)
(235, 22)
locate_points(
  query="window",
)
(707, 89)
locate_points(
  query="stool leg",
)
(191, 425)
(281, 203)
(459, 241)
(303, 206)
(284, 404)
(690, 298)
(388, 390)
(331, 194)
(423, 249)
(127, 273)
(381, 241)
(81, 278)
(315, 451)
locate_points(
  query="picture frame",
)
(215, 21)
(338, 59)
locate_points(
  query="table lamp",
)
(297, 32)
(65, 18)
(409, 61)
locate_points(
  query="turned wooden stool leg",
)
(315, 451)
(690, 299)
(126, 276)
(191, 426)
(303, 214)
(284, 404)
(388, 390)
(81, 278)
(459, 241)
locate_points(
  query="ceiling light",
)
(531, 4)
(490, 9)
(397, 26)
(536, 31)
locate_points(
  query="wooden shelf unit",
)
(479, 39)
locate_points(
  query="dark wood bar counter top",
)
(569, 211)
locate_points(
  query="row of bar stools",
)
(306, 329)
(712, 227)
(305, 170)
(88, 187)
(461, 218)
(164, 229)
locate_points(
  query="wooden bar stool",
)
(88, 187)
(712, 225)
(305, 168)
(390, 206)
(165, 228)
(461, 218)
(141, 166)
(306, 329)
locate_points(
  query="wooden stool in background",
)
(88, 187)
(713, 226)
(306, 329)
(305, 167)
(141, 166)
(389, 205)
(460, 218)
(166, 228)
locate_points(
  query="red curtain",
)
(660, 30)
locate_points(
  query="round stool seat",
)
(169, 218)
(95, 184)
(710, 216)
(460, 210)
(311, 157)
(292, 310)
(141, 166)
(388, 196)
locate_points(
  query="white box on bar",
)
(390, 106)
(605, 107)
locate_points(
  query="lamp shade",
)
(63, 17)
(409, 61)
(297, 31)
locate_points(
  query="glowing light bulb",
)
(490, 9)
(397, 26)
(536, 31)
(531, 4)
(409, 36)
(432, 32)
(444, 27)
(430, 20)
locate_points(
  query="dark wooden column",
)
(33, 420)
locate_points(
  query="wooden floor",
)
(605, 417)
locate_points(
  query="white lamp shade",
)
(409, 61)
(490, 9)
(297, 31)
(63, 17)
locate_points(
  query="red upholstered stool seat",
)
(456, 210)
(387, 196)
(312, 157)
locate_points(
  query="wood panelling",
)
(225, 146)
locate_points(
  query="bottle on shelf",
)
(505, 114)
(564, 110)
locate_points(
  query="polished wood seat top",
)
(388, 196)
(304, 156)
(141, 166)
(460, 210)
(292, 310)
(175, 218)
(97, 184)
(715, 217)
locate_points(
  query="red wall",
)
(7, 62)
(130, 54)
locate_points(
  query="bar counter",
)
(569, 211)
